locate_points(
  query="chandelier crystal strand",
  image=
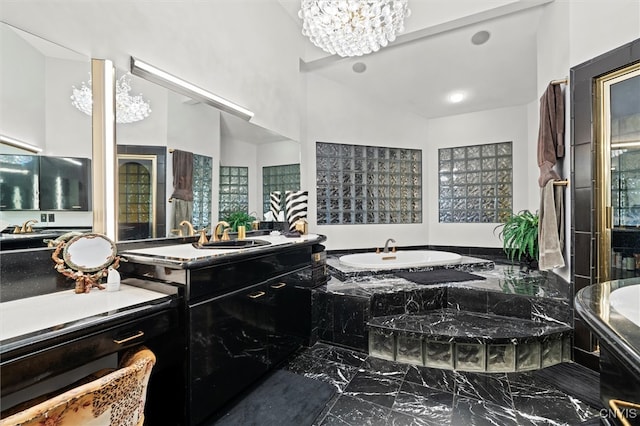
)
(352, 27)
(129, 109)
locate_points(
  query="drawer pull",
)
(257, 294)
(279, 285)
(128, 339)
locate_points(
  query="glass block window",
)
(234, 190)
(279, 178)
(136, 196)
(476, 183)
(202, 166)
(368, 184)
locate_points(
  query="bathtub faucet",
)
(386, 245)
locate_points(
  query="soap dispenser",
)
(113, 280)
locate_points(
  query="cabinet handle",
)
(257, 294)
(279, 285)
(127, 339)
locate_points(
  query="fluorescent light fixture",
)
(72, 161)
(156, 75)
(19, 144)
(16, 171)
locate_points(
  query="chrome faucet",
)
(189, 226)
(386, 245)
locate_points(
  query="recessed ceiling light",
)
(481, 37)
(359, 67)
(456, 97)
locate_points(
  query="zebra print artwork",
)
(275, 200)
(295, 206)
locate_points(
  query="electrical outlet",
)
(43, 217)
(52, 217)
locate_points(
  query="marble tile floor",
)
(372, 391)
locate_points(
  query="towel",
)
(182, 175)
(551, 227)
(550, 133)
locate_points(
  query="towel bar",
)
(561, 182)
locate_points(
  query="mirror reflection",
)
(226, 158)
(51, 188)
(38, 80)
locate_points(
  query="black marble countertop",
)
(186, 256)
(35, 239)
(620, 333)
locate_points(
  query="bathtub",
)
(611, 311)
(626, 300)
(401, 259)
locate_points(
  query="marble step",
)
(469, 341)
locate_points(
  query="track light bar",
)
(156, 75)
(19, 144)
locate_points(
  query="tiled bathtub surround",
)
(345, 273)
(530, 310)
(469, 341)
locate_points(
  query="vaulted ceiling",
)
(436, 57)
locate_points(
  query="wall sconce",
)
(156, 75)
(19, 144)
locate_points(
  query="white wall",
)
(238, 153)
(275, 154)
(242, 50)
(553, 64)
(494, 126)
(598, 26)
(339, 115)
(36, 108)
(22, 102)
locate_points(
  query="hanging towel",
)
(182, 175)
(551, 227)
(551, 133)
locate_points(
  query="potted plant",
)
(239, 218)
(519, 236)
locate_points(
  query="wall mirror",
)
(178, 122)
(36, 82)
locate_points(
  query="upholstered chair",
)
(115, 399)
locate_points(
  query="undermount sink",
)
(232, 244)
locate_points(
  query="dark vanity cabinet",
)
(37, 182)
(246, 312)
(65, 183)
(19, 182)
(244, 318)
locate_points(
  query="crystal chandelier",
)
(352, 27)
(129, 109)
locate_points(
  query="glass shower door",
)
(618, 174)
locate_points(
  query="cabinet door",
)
(19, 182)
(227, 348)
(65, 183)
(290, 317)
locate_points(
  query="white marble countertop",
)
(32, 314)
